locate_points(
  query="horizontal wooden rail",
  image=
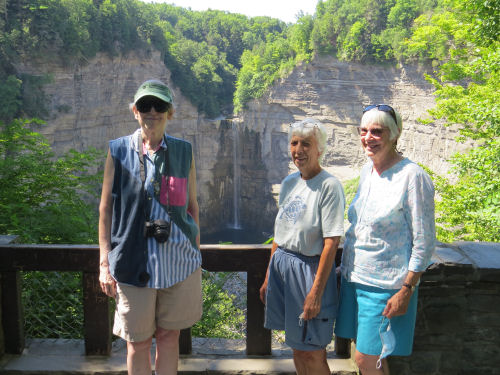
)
(252, 259)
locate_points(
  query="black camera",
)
(159, 229)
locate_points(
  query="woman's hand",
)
(398, 303)
(108, 284)
(312, 305)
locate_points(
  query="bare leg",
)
(139, 357)
(167, 351)
(311, 362)
(367, 364)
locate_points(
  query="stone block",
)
(486, 319)
(460, 272)
(439, 320)
(451, 361)
(437, 342)
(478, 354)
(425, 363)
(482, 335)
(490, 275)
(484, 302)
(399, 365)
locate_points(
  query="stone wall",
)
(458, 319)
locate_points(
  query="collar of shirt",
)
(133, 143)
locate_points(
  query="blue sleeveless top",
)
(135, 259)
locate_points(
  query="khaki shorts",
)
(139, 311)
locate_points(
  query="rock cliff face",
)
(335, 93)
(88, 106)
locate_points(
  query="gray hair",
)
(308, 127)
(376, 116)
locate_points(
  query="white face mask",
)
(388, 342)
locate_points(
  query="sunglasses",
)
(376, 133)
(144, 105)
(383, 108)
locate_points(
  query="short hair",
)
(376, 116)
(308, 127)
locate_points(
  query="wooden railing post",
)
(96, 316)
(258, 338)
(342, 347)
(12, 312)
(185, 342)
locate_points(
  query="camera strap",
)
(140, 148)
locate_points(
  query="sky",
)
(285, 10)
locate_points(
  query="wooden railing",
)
(252, 259)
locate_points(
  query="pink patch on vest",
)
(177, 191)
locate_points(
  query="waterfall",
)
(236, 177)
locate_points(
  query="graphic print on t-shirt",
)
(293, 210)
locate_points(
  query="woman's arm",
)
(108, 284)
(419, 214)
(193, 207)
(312, 303)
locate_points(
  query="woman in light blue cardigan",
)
(387, 248)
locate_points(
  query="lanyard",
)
(143, 173)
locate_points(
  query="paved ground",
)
(210, 356)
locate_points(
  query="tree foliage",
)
(202, 49)
(43, 198)
(466, 80)
(222, 317)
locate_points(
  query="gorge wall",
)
(335, 93)
(88, 105)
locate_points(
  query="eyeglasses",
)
(144, 105)
(376, 133)
(384, 108)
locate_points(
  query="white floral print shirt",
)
(392, 227)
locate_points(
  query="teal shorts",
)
(291, 276)
(360, 317)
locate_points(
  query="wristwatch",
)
(411, 287)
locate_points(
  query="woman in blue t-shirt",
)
(300, 290)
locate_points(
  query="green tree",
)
(300, 37)
(222, 317)
(10, 96)
(43, 199)
(260, 67)
(467, 94)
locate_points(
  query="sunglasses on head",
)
(145, 104)
(383, 108)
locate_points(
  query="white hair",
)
(376, 116)
(308, 127)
